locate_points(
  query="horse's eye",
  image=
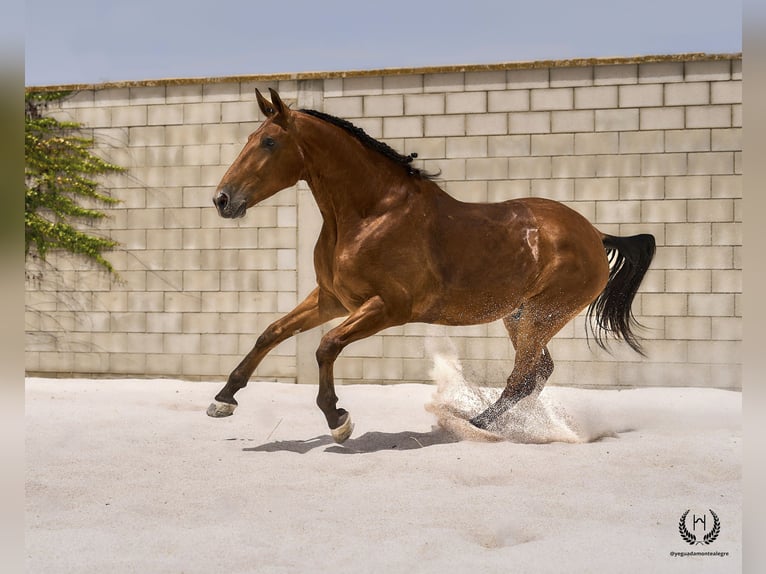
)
(268, 142)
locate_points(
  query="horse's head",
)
(269, 162)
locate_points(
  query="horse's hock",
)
(638, 145)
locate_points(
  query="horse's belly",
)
(471, 308)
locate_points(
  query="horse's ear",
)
(266, 107)
(279, 106)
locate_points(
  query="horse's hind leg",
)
(311, 312)
(533, 365)
(544, 366)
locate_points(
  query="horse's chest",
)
(353, 270)
(354, 265)
(337, 264)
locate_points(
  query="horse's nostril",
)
(221, 200)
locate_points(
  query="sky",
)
(95, 41)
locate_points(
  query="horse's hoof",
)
(341, 434)
(218, 410)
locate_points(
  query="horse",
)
(395, 248)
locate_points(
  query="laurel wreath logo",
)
(685, 534)
(691, 538)
(713, 534)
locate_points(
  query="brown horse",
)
(395, 248)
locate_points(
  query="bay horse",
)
(395, 248)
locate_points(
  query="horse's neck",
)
(346, 178)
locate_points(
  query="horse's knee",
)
(267, 338)
(328, 351)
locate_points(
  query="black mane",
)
(373, 144)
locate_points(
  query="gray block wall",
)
(648, 144)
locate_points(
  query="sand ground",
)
(131, 476)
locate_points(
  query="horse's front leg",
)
(372, 317)
(316, 309)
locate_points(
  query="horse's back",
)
(552, 212)
(517, 222)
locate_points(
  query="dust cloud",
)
(538, 418)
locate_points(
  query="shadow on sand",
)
(368, 442)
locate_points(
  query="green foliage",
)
(59, 174)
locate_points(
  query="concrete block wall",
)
(636, 145)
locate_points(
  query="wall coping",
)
(502, 66)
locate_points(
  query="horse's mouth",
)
(239, 211)
(233, 211)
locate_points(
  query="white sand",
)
(131, 476)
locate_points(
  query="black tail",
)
(610, 312)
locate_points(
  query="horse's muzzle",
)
(227, 207)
